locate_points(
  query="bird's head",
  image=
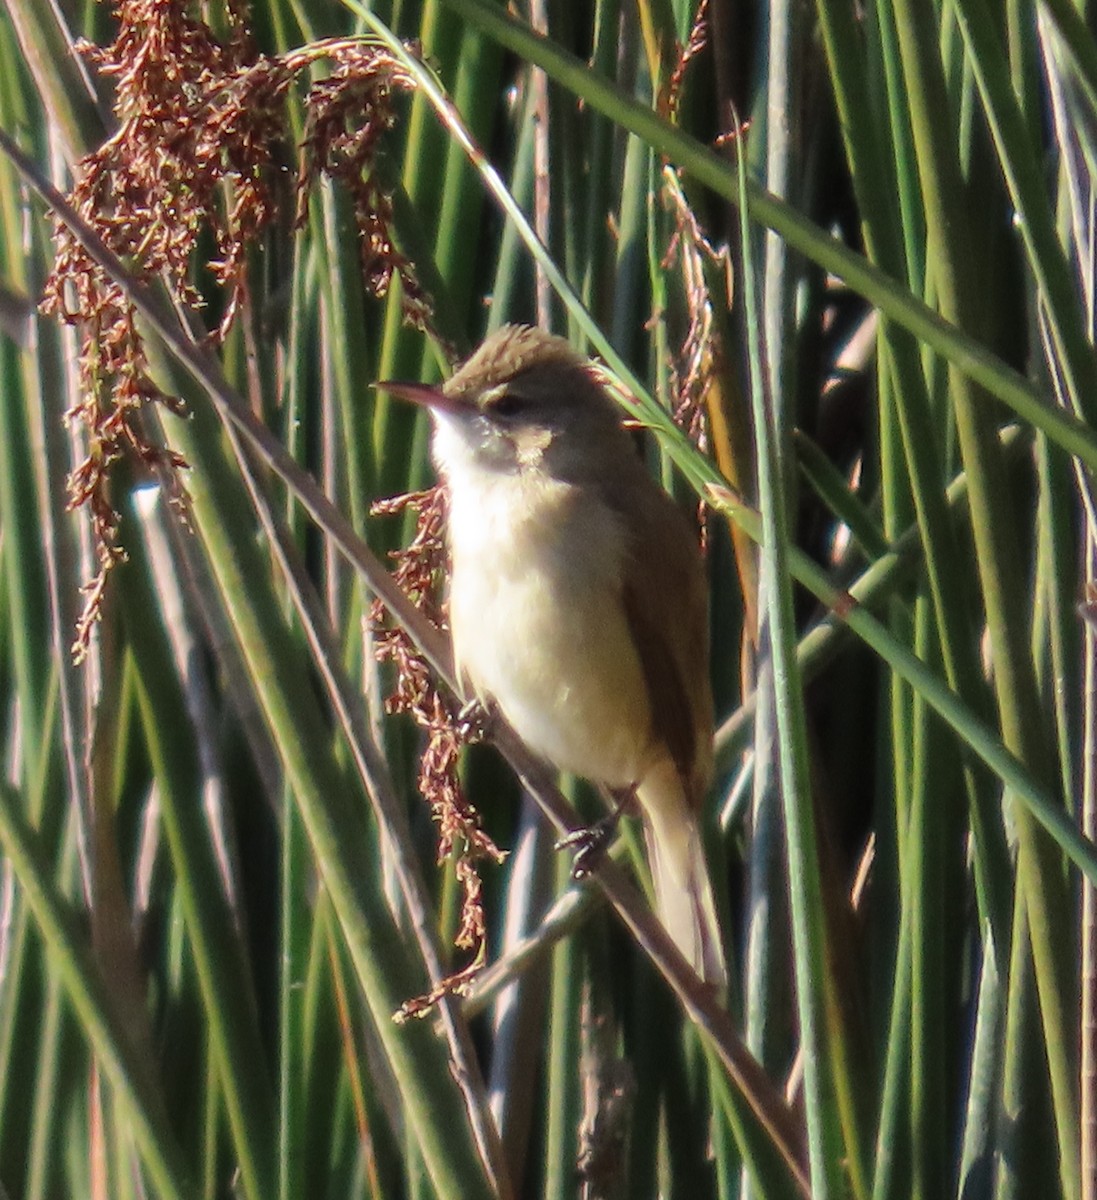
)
(524, 401)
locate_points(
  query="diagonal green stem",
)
(708, 168)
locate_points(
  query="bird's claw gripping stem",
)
(592, 841)
(474, 722)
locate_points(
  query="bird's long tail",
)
(683, 892)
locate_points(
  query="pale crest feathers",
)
(506, 354)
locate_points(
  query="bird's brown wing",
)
(664, 600)
(671, 718)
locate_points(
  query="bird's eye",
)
(506, 404)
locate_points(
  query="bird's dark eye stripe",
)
(507, 404)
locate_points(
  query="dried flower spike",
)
(200, 123)
(419, 571)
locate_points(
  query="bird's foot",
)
(474, 721)
(592, 841)
(590, 844)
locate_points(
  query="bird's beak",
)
(422, 394)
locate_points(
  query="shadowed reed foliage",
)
(849, 249)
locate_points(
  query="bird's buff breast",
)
(539, 628)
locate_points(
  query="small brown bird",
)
(577, 599)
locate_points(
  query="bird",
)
(577, 599)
